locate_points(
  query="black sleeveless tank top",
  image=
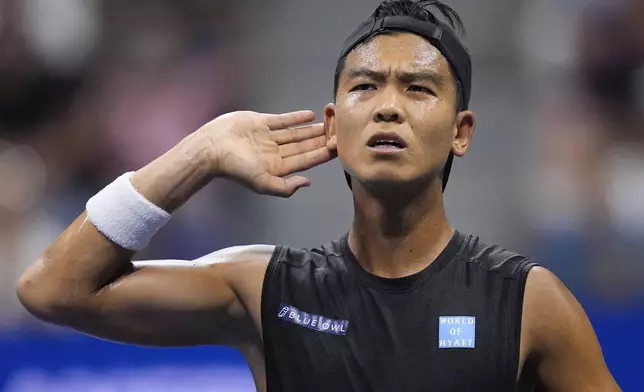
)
(329, 325)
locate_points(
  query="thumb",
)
(283, 187)
(297, 182)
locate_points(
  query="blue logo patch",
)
(312, 321)
(456, 332)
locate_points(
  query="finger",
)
(286, 120)
(288, 150)
(308, 160)
(293, 135)
(282, 187)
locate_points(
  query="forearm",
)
(82, 260)
(170, 180)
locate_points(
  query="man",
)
(403, 302)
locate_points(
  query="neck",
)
(398, 232)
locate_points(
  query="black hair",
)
(417, 9)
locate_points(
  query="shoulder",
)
(547, 300)
(496, 259)
(542, 289)
(550, 311)
(544, 285)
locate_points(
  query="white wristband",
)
(124, 216)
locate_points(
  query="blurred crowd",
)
(585, 199)
(88, 91)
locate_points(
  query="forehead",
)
(398, 51)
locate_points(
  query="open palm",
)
(261, 150)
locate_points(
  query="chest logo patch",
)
(456, 332)
(312, 321)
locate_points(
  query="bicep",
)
(175, 303)
(569, 357)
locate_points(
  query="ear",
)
(329, 124)
(464, 129)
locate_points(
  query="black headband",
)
(438, 33)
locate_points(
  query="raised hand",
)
(262, 150)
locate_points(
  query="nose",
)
(388, 115)
(389, 111)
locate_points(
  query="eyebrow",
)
(356, 73)
(406, 77)
(423, 76)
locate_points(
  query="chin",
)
(390, 177)
(386, 177)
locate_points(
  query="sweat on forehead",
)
(397, 53)
(407, 49)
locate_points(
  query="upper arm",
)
(178, 303)
(562, 342)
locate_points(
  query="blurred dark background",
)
(90, 89)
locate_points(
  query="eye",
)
(364, 87)
(419, 89)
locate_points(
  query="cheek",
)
(351, 99)
(346, 139)
(436, 132)
(350, 122)
(355, 107)
(346, 146)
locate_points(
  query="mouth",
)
(386, 141)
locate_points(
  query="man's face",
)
(395, 115)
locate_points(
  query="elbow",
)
(35, 300)
(45, 302)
